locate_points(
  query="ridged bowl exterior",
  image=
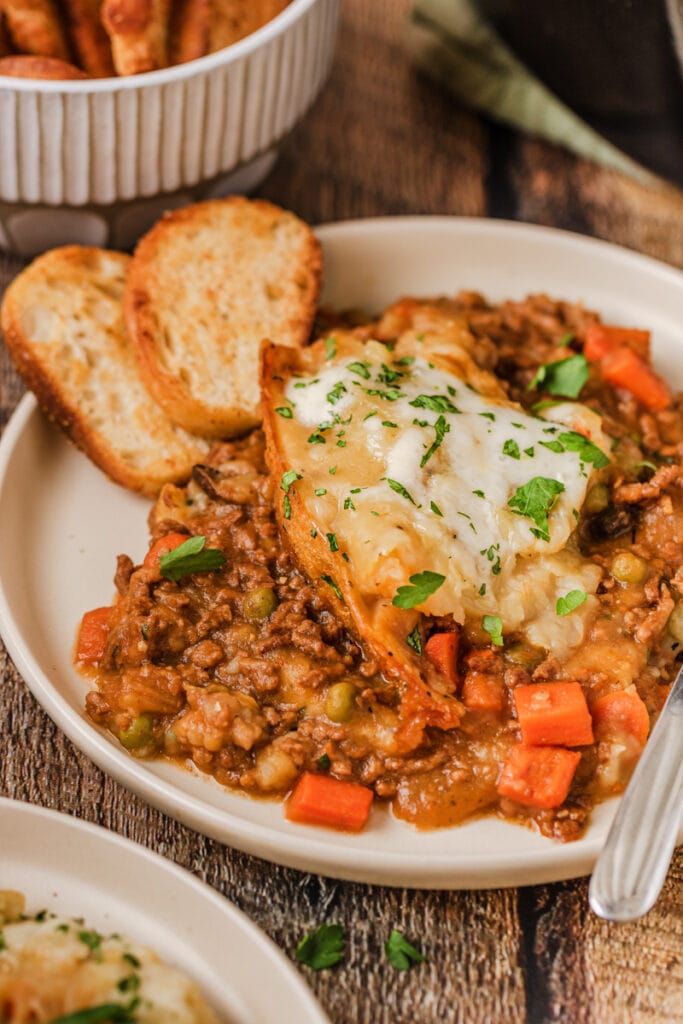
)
(103, 142)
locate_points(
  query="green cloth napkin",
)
(452, 42)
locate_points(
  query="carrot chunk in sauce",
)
(92, 636)
(538, 776)
(553, 714)
(322, 800)
(619, 714)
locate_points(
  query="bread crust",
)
(35, 28)
(189, 36)
(220, 263)
(138, 32)
(46, 68)
(232, 20)
(61, 384)
(90, 41)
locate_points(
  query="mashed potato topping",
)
(50, 968)
(416, 461)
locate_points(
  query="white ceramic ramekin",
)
(98, 161)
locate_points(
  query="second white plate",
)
(63, 523)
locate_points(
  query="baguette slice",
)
(90, 41)
(62, 320)
(205, 287)
(47, 68)
(35, 28)
(138, 32)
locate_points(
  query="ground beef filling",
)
(244, 671)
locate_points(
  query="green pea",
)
(259, 603)
(138, 734)
(340, 701)
(675, 623)
(628, 568)
(597, 499)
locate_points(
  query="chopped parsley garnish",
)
(493, 625)
(435, 509)
(587, 451)
(333, 586)
(400, 953)
(337, 392)
(285, 412)
(529, 452)
(554, 446)
(189, 557)
(360, 368)
(348, 504)
(130, 959)
(570, 601)
(400, 489)
(441, 428)
(535, 500)
(565, 377)
(437, 403)
(322, 948)
(566, 339)
(405, 361)
(288, 478)
(482, 590)
(332, 541)
(488, 416)
(314, 532)
(324, 763)
(306, 383)
(414, 640)
(332, 470)
(479, 494)
(388, 423)
(330, 347)
(388, 376)
(493, 556)
(316, 437)
(424, 584)
(390, 395)
(105, 1013)
(511, 448)
(131, 983)
(320, 491)
(520, 426)
(369, 415)
(341, 444)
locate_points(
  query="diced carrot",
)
(322, 800)
(553, 714)
(602, 338)
(483, 693)
(169, 542)
(92, 635)
(626, 370)
(619, 714)
(442, 651)
(538, 776)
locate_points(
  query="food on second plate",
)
(451, 578)
(62, 320)
(59, 971)
(125, 37)
(48, 68)
(206, 285)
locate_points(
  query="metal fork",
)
(632, 866)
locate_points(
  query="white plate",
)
(74, 869)
(63, 524)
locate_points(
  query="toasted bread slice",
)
(232, 20)
(5, 45)
(189, 32)
(62, 320)
(206, 286)
(35, 27)
(90, 41)
(138, 32)
(48, 68)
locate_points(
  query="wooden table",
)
(383, 140)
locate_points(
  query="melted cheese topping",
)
(408, 468)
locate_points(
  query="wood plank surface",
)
(382, 140)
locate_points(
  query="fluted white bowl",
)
(98, 161)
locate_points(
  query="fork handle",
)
(632, 866)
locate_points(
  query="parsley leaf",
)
(588, 452)
(441, 428)
(190, 556)
(337, 392)
(324, 762)
(322, 948)
(574, 599)
(330, 348)
(105, 1013)
(387, 376)
(332, 541)
(565, 377)
(414, 640)
(330, 582)
(493, 625)
(535, 500)
(391, 394)
(360, 368)
(437, 403)
(285, 412)
(511, 448)
(288, 478)
(400, 953)
(424, 584)
(435, 509)
(400, 489)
